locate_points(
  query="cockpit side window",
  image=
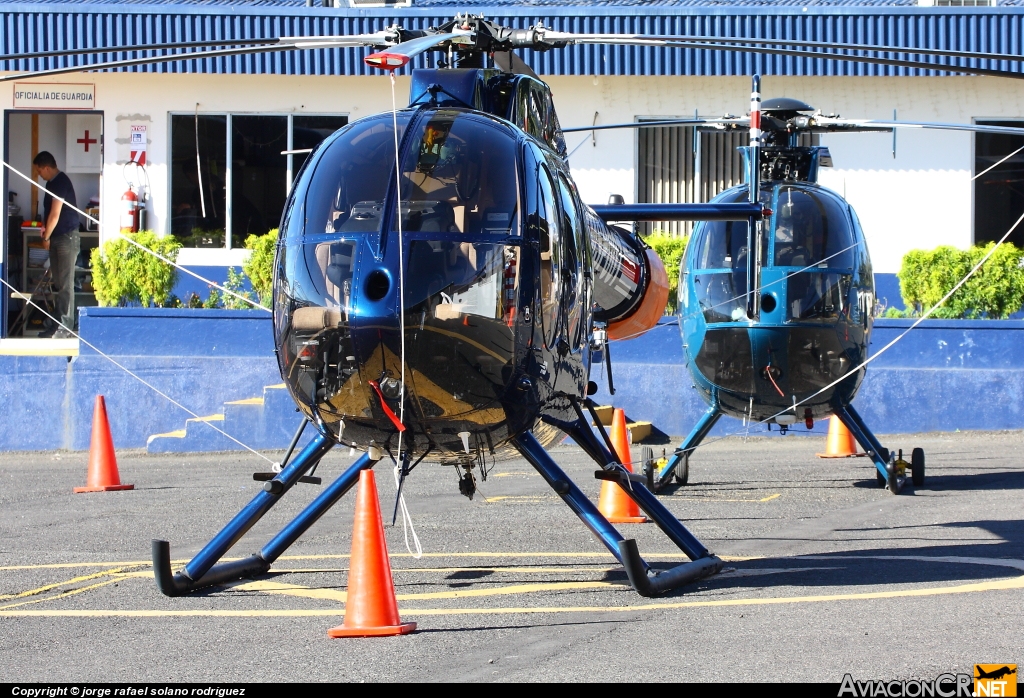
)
(550, 252)
(349, 182)
(812, 229)
(723, 244)
(459, 176)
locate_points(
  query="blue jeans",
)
(64, 251)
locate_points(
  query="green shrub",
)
(259, 267)
(995, 291)
(670, 249)
(236, 284)
(123, 274)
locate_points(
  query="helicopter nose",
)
(457, 348)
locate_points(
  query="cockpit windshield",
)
(346, 195)
(459, 176)
(812, 229)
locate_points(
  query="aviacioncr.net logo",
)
(942, 686)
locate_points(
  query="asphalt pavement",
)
(826, 573)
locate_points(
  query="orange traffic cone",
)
(615, 504)
(371, 609)
(840, 443)
(102, 476)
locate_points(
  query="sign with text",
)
(39, 95)
(137, 143)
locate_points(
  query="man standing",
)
(60, 237)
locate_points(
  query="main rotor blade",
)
(604, 38)
(934, 125)
(738, 121)
(289, 44)
(130, 49)
(397, 56)
(632, 40)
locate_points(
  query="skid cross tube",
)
(853, 421)
(879, 454)
(570, 493)
(200, 571)
(317, 508)
(704, 426)
(645, 499)
(625, 551)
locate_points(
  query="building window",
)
(223, 190)
(680, 164)
(999, 192)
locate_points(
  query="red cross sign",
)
(86, 140)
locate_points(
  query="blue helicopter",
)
(441, 290)
(776, 315)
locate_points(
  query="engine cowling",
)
(631, 285)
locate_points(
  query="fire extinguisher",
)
(129, 212)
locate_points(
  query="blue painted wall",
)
(943, 376)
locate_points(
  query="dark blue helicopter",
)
(441, 290)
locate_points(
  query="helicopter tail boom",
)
(680, 212)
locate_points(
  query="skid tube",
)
(644, 580)
(203, 571)
(880, 455)
(700, 430)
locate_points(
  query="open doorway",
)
(75, 139)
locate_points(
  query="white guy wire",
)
(28, 299)
(988, 169)
(406, 518)
(137, 244)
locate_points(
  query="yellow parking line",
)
(75, 580)
(62, 595)
(995, 585)
(271, 587)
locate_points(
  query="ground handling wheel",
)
(897, 472)
(917, 467)
(647, 467)
(681, 473)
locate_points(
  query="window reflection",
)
(459, 176)
(447, 279)
(347, 189)
(550, 252)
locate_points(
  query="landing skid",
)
(891, 471)
(205, 570)
(679, 464)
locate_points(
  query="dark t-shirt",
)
(68, 221)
